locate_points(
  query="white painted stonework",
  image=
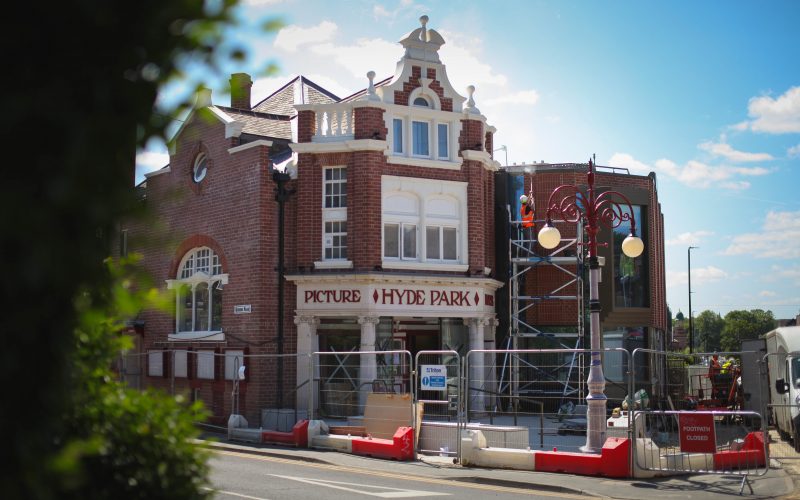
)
(390, 296)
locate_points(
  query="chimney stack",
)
(241, 83)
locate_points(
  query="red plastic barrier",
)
(751, 455)
(612, 462)
(298, 437)
(400, 447)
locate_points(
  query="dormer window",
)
(422, 102)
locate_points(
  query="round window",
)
(422, 102)
(200, 167)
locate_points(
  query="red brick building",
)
(383, 207)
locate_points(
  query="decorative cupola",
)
(423, 44)
(421, 74)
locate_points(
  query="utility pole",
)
(691, 329)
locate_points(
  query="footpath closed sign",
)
(697, 432)
(433, 378)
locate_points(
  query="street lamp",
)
(502, 148)
(574, 205)
(689, 272)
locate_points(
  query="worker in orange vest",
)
(526, 216)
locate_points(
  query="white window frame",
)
(413, 135)
(400, 241)
(333, 215)
(441, 228)
(329, 238)
(342, 195)
(437, 136)
(395, 142)
(426, 211)
(200, 265)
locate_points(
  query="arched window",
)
(422, 102)
(198, 289)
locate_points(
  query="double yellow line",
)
(405, 477)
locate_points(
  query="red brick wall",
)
(305, 126)
(233, 211)
(471, 136)
(364, 209)
(369, 124)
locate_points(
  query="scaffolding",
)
(524, 260)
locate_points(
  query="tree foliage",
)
(119, 442)
(745, 325)
(708, 327)
(83, 77)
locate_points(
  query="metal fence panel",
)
(701, 442)
(536, 399)
(438, 388)
(363, 392)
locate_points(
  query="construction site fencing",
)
(363, 393)
(542, 404)
(732, 443)
(438, 393)
(783, 406)
(232, 382)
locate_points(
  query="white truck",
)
(783, 362)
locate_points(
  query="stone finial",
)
(371, 94)
(423, 35)
(470, 107)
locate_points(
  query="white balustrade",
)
(334, 122)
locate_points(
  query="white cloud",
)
(767, 293)
(780, 115)
(793, 152)
(466, 65)
(522, 97)
(148, 161)
(726, 151)
(364, 55)
(379, 11)
(700, 276)
(291, 38)
(693, 174)
(690, 238)
(779, 238)
(786, 273)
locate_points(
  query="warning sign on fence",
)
(433, 378)
(697, 432)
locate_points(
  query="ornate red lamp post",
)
(607, 209)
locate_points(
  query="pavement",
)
(781, 481)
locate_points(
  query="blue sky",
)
(706, 94)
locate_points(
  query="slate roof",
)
(281, 102)
(362, 92)
(263, 124)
